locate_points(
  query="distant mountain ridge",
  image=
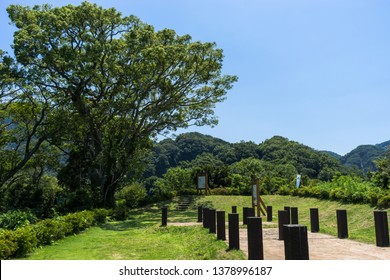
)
(277, 150)
(363, 156)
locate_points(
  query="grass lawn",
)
(360, 216)
(142, 238)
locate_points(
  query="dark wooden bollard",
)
(282, 220)
(200, 214)
(212, 221)
(294, 215)
(205, 216)
(314, 220)
(234, 209)
(247, 212)
(234, 231)
(221, 230)
(255, 239)
(295, 242)
(164, 216)
(288, 209)
(269, 213)
(342, 224)
(381, 228)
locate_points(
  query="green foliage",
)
(39, 193)
(121, 211)
(347, 189)
(363, 157)
(382, 177)
(176, 179)
(80, 220)
(7, 247)
(50, 230)
(22, 241)
(101, 215)
(14, 219)
(134, 195)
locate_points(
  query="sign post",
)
(257, 202)
(203, 183)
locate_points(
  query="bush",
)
(384, 202)
(284, 190)
(133, 194)
(7, 247)
(50, 230)
(28, 192)
(22, 241)
(18, 243)
(15, 219)
(80, 220)
(101, 215)
(120, 212)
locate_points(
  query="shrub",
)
(22, 241)
(24, 238)
(101, 215)
(384, 202)
(120, 212)
(133, 194)
(80, 220)
(7, 246)
(219, 191)
(284, 190)
(15, 219)
(50, 230)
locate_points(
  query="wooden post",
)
(295, 242)
(342, 224)
(200, 212)
(288, 209)
(269, 213)
(212, 221)
(205, 225)
(294, 215)
(255, 239)
(314, 220)
(381, 228)
(221, 230)
(164, 216)
(247, 212)
(234, 231)
(282, 220)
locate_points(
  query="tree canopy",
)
(110, 83)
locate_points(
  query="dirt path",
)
(321, 246)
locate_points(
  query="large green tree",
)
(118, 81)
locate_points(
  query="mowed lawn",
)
(360, 217)
(142, 238)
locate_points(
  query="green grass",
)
(115, 242)
(360, 216)
(142, 238)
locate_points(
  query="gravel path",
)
(321, 246)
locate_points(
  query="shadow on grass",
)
(151, 215)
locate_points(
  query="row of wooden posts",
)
(291, 232)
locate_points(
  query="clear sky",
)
(314, 71)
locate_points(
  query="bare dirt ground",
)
(321, 246)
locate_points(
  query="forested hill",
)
(363, 156)
(277, 150)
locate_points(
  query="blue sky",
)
(316, 72)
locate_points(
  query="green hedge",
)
(22, 241)
(348, 190)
